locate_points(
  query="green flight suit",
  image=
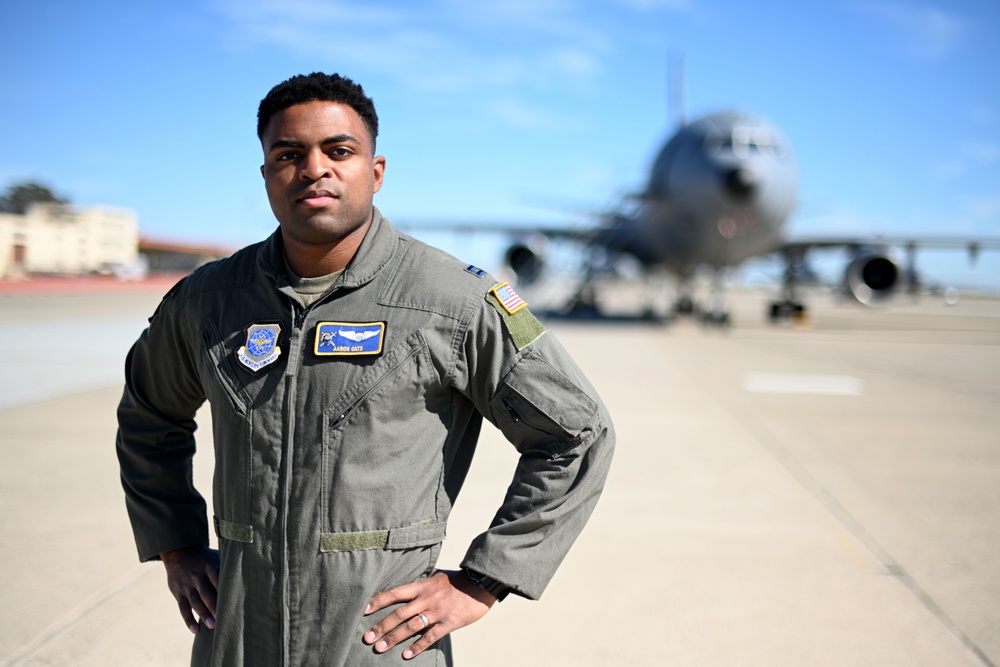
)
(336, 472)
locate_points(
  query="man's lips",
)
(317, 198)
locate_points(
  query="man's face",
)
(319, 172)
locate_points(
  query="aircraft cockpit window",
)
(743, 142)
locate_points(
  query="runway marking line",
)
(797, 383)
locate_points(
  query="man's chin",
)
(320, 230)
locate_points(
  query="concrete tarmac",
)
(780, 496)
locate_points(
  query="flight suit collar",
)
(374, 253)
(372, 256)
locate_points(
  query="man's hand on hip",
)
(434, 607)
(193, 578)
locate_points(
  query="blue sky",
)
(521, 111)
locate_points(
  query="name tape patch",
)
(261, 347)
(508, 298)
(349, 338)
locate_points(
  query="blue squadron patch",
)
(349, 338)
(508, 298)
(475, 270)
(261, 348)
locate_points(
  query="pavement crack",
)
(841, 513)
(74, 615)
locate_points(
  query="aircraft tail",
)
(675, 89)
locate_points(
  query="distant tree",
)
(20, 196)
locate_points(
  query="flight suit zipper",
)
(514, 416)
(288, 418)
(295, 352)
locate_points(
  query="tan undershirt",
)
(311, 289)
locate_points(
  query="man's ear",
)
(378, 164)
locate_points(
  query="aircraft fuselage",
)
(720, 191)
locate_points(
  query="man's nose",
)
(315, 165)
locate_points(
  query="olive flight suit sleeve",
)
(525, 383)
(155, 440)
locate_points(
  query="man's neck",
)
(311, 260)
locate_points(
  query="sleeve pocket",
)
(540, 410)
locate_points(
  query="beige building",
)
(56, 238)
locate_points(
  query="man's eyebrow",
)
(285, 143)
(335, 139)
(340, 139)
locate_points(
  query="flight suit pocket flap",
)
(541, 410)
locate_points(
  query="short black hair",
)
(318, 86)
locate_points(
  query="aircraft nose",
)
(740, 183)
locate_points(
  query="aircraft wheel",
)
(650, 315)
(780, 311)
(783, 310)
(684, 306)
(719, 319)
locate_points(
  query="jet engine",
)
(873, 274)
(527, 260)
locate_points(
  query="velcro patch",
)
(522, 326)
(508, 298)
(349, 338)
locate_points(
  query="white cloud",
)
(306, 11)
(542, 44)
(985, 152)
(574, 62)
(968, 156)
(984, 114)
(496, 51)
(927, 33)
(653, 5)
(519, 114)
(555, 21)
(983, 208)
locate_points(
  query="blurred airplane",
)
(720, 191)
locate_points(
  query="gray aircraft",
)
(721, 191)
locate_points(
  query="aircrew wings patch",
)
(349, 338)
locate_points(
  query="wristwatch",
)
(497, 589)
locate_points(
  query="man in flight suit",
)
(348, 368)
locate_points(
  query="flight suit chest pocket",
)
(382, 442)
(219, 354)
(540, 410)
(396, 381)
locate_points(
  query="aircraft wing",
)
(879, 267)
(973, 246)
(581, 234)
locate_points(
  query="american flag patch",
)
(508, 298)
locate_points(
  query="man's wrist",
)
(496, 588)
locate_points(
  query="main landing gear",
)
(781, 311)
(790, 307)
(716, 311)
